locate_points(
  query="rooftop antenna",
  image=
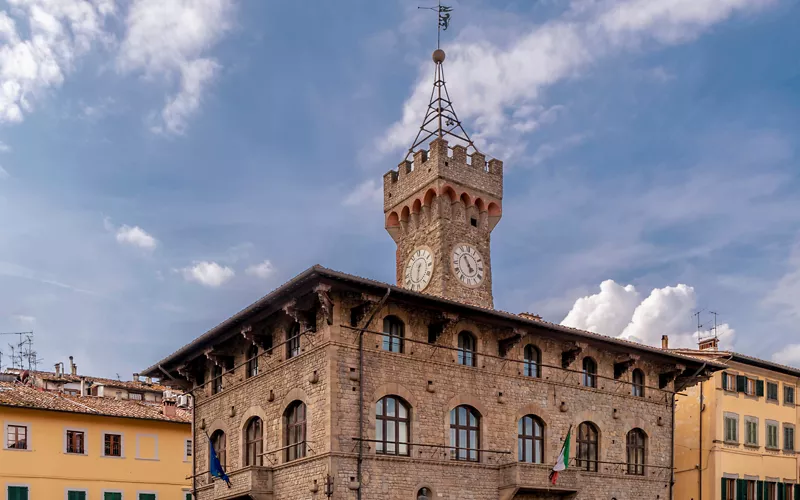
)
(440, 119)
(716, 336)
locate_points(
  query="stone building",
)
(422, 390)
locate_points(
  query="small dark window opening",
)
(473, 221)
(434, 332)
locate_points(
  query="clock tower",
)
(441, 205)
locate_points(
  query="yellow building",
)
(63, 444)
(735, 433)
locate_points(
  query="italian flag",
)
(563, 458)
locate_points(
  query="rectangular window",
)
(75, 442)
(188, 448)
(789, 487)
(728, 489)
(772, 435)
(751, 490)
(147, 496)
(788, 437)
(772, 491)
(135, 396)
(17, 493)
(731, 428)
(750, 387)
(112, 495)
(216, 379)
(729, 382)
(17, 437)
(112, 446)
(788, 395)
(751, 431)
(772, 391)
(76, 495)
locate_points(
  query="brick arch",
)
(593, 417)
(293, 395)
(218, 425)
(419, 486)
(480, 205)
(465, 199)
(430, 195)
(450, 193)
(416, 207)
(393, 220)
(404, 214)
(494, 210)
(473, 328)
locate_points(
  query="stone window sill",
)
(731, 443)
(769, 448)
(752, 445)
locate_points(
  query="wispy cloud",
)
(263, 270)
(136, 236)
(171, 39)
(368, 192)
(4, 148)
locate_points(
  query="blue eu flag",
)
(215, 468)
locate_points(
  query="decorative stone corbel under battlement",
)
(258, 339)
(215, 357)
(623, 363)
(665, 377)
(444, 324)
(307, 318)
(511, 341)
(186, 373)
(571, 352)
(359, 312)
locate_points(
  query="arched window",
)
(636, 445)
(220, 446)
(589, 372)
(466, 349)
(533, 361)
(588, 447)
(252, 361)
(393, 330)
(530, 439)
(293, 341)
(253, 442)
(294, 420)
(391, 426)
(424, 494)
(465, 429)
(216, 379)
(637, 385)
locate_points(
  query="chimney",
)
(708, 344)
(665, 341)
(73, 368)
(58, 369)
(148, 380)
(135, 377)
(83, 386)
(170, 410)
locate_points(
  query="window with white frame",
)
(772, 434)
(751, 431)
(731, 427)
(187, 449)
(18, 436)
(788, 437)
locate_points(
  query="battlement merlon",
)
(442, 162)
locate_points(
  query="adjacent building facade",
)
(735, 433)
(61, 444)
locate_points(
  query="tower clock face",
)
(419, 270)
(468, 265)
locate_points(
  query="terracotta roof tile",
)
(19, 395)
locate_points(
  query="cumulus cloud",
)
(209, 274)
(263, 270)
(606, 312)
(790, 355)
(618, 311)
(366, 193)
(40, 40)
(170, 40)
(491, 80)
(136, 236)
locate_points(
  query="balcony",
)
(519, 478)
(249, 482)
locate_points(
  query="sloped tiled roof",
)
(722, 356)
(122, 384)
(16, 394)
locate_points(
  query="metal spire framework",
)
(440, 119)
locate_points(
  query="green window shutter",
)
(741, 489)
(112, 496)
(741, 383)
(76, 495)
(724, 382)
(17, 493)
(147, 496)
(724, 487)
(759, 388)
(760, 490)
(188, 496)
(797, 492)
(781, 492)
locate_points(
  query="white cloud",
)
(4, 148)
(208, 274)
(136, 236)
(606, 312)
(490, 81)
(789, 355)
(367, 193)
(263, 270)
(617, 311)
(169, 40)
(40, 44)
(24, 319)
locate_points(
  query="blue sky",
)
(164, 164)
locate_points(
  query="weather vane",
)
(444, 20)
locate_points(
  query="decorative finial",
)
(438, 56)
